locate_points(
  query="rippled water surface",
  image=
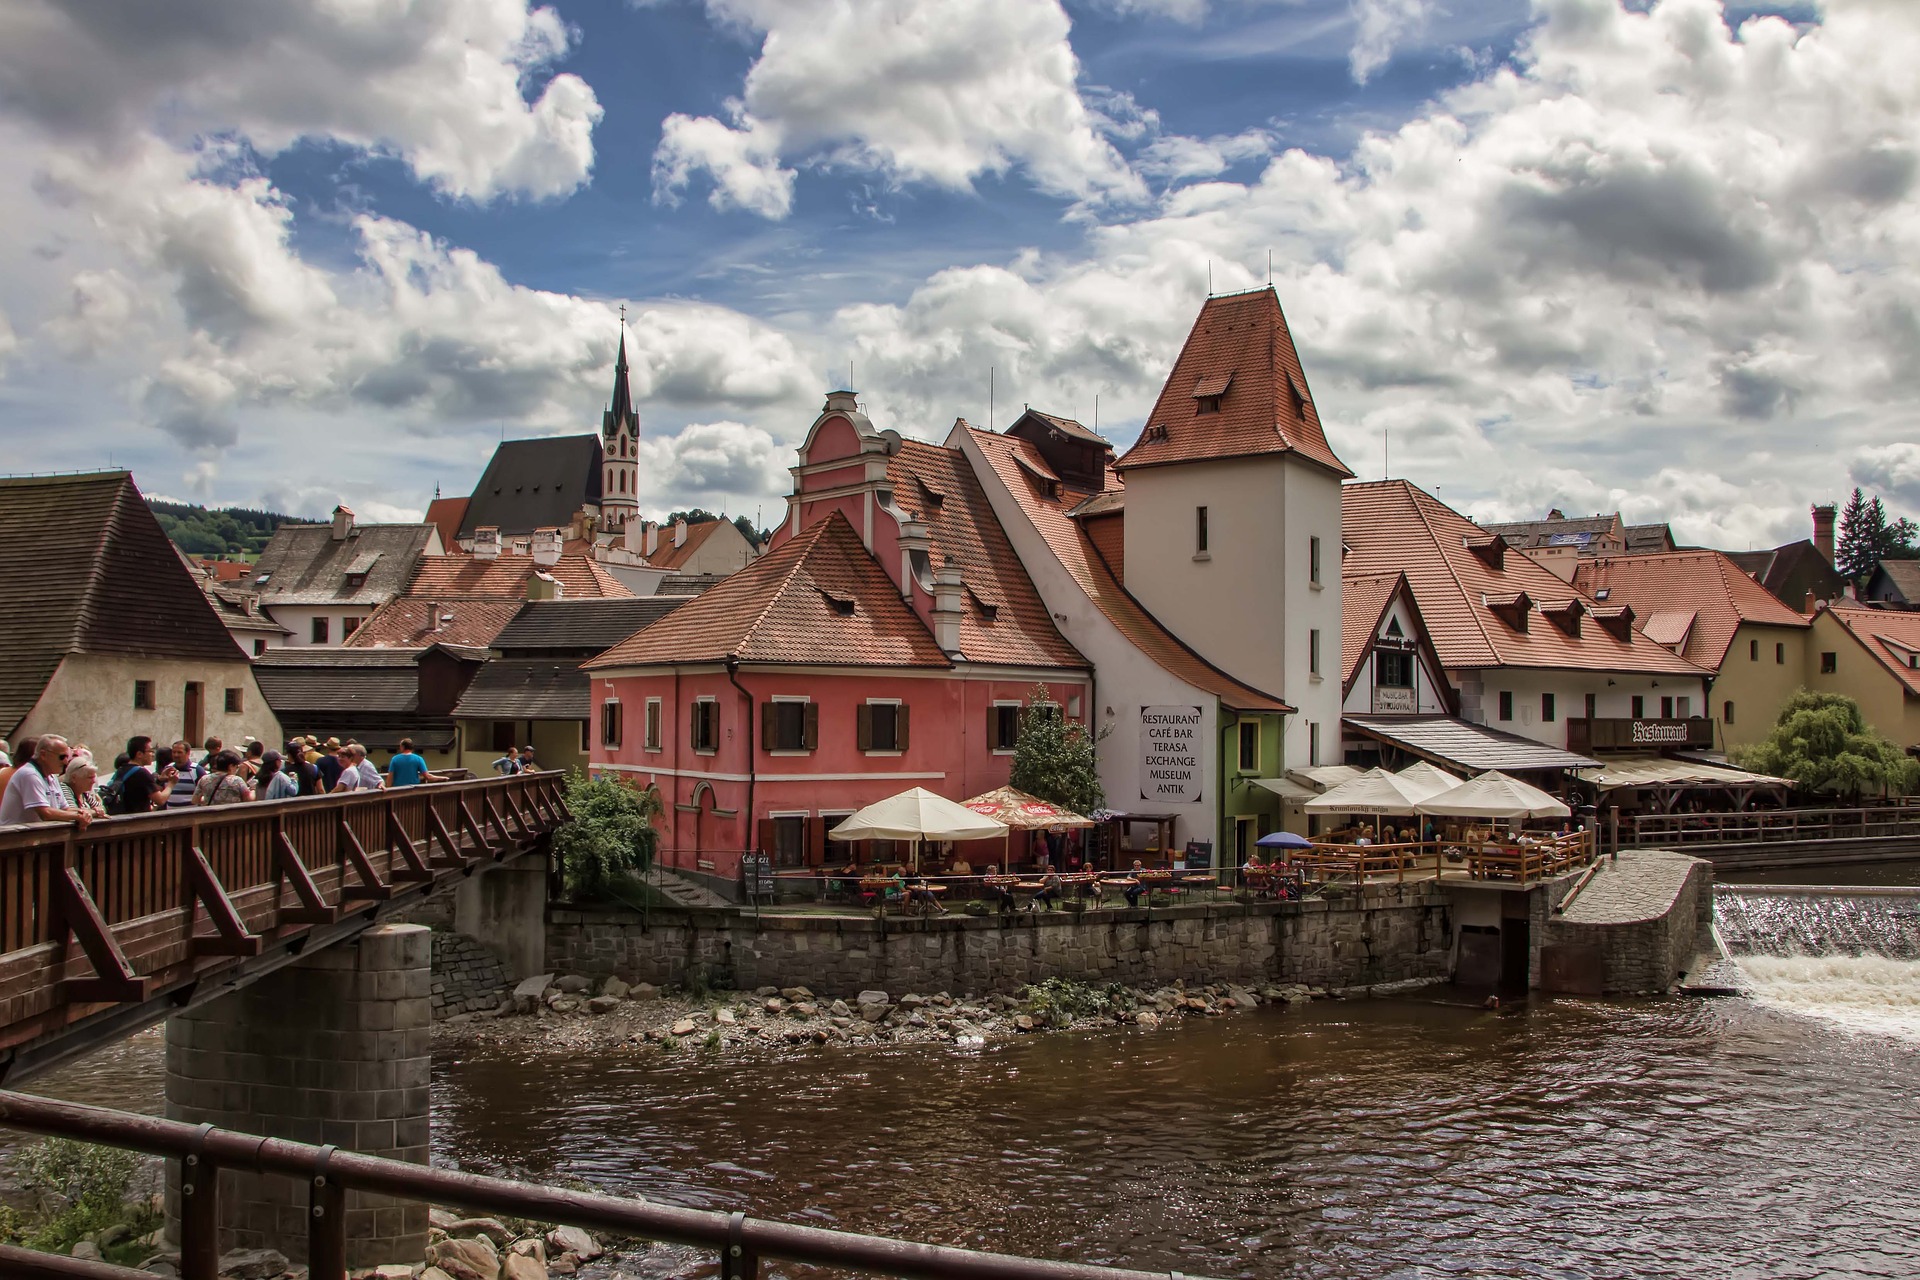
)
(1350, 1139)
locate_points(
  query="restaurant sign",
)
(1170, 754)
(1387, 698)
(1624, 734)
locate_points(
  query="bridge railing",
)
(1755, 826)
(739, 1242)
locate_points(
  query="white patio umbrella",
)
(1495, 795)
(917, 814)
(1421, 776)
(1375, 791)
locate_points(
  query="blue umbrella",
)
(1284, 840)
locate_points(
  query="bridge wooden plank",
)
(114, 978)
(371, 887)
(313, 909)
(206, 889)
(519, 818)
(471, 825)
(452, 858)
(497, 824)
(400, 843)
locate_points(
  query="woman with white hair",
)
(80, 779)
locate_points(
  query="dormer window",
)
(842, 607)
(1207, 404)
(1208, 392)
(1510, 609)
(1489, 548)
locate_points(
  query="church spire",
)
(620, 410)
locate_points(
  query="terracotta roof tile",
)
(409, 623)
(1077, 553)
(667, 556)
(1392, 526)
(505, 577)
(1697, 599)
(1242, 339)
(819, 598)
(446, 515)
(1363, 601)
(1891, 636)
(1018, 629)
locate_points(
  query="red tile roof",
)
(667, 556)
(1363, 601)
(1006, 621)
(1891, 636)
(818, 599)
(1077, 553)
(1391, 526)
(505, 577)
(1697, 599)
(409, 622)
(446, 515)
(1241, 345)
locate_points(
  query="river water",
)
(1363, 1138)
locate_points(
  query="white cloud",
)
(441, 86)
(1892, 470)
(1176, 157)
(918, 91)
(1379, 26)
(729, 459)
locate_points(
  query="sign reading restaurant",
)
(1625, 734)
(1170, 754)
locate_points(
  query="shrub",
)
(1060, 1001)
(611, 835)
(79, 1191)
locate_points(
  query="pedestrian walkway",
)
(683, 892)
(1642, 884)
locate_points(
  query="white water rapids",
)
(1846, 957)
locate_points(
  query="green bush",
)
(1060, 1001)
(611, 836)
(79, 1190)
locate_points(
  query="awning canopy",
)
(1660, 771)
(917, 814)
(1447, 740)
(1286, 788)
(1017, 808)
(1302, 785)
(1495, 795)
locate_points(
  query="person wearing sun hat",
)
(330, 764)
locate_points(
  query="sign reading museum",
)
(1170, 755)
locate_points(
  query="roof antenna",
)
(989, 397)
(1209, 277)
(1269, 268)
(1385, 469)
(1096, 413)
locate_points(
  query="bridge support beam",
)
(507, 909)
(333, 1049)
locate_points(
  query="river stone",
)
(469, 1228)
(393, 1271)
(684, 1027)
(615, 987)
(1242, 998)
(562, 1266)
(574, 983)
(531, 1247)
(764, 992)
(565, 1004)
(259, 1264)
(912, 1001)
(725, 1017)
(804, 1009)
(839, 1009)
(873, 1012)
(643, 991)
(1023, 1021)
(85, 1249)
(434, 1273)
(520, 1267)
(470, 1259)
(603, 1004)
(529, 990)
(1147, 1018)
(575, 1241)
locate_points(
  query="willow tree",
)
(1822, 742)
(611, 835)
(1055, 758)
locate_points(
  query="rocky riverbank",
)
(569, 1011)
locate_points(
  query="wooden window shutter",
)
(812, 739)
(900, 727)
(816, 842)
(863, 727)
(768, 727)
(764, 834)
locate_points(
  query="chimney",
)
(1823, 529)
(842, 402)
(542, 585)
(679, 533)
(916, 554)
(653, 538)
(547, 544)
(433, 616)
(633, 536)
(948, 605)
(486, 542)
(343, 522)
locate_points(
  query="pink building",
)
(886, 641)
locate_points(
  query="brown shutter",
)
(764, 830)
(767, 727)
(693, 739)
(863, 727)
(812, 739)
(816, 842)
(900, 727)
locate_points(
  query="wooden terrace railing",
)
(1515, 861)
(1893, 820)
(135, 906)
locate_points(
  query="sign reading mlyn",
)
(1170, 754)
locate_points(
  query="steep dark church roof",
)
(535, 484)
(620, 408)
(85, 568)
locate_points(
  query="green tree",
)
(1867, 536)
(1055, 758)
(1823, 743)
(610, 837)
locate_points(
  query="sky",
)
(1658, 257)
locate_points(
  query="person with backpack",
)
(300, 763)
(276, 780)
(138, 788)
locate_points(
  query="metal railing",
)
(200, 1152)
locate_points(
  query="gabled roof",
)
(307, 679)
(535, 484)
(504, 577)
(1647, 538)
(1265, 408)
(818, 599)
(1068, 426)
(688, 584)
(304, 564)
(1005, 621)
(596, 625)
(527, 689)
(1792, 570)
(1693, 599)
(412, 621)
(446, 514)
(86, 568)
(1079, 556)
(667, 556)
(1391, 526)
(1558, 531)
(1892, 636)
(1904, 575)
(1363, 602)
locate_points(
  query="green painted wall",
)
(1239, 798)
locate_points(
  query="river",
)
(1362, 1138)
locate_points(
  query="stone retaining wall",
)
(468, 977)
(1390, 934)
(1635, 934)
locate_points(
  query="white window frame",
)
(803, 700)
(713, 750)
(1015, 703)
(887, 702)
(619, 714)
(1313, 653)
(1313, 564)
(653, 735)
(1239, 757)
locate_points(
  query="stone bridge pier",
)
(334, 1048)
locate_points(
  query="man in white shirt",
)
(358, 773)
(33, 793)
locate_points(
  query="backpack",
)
(114, 794)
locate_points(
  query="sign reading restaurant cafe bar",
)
(1170, 754)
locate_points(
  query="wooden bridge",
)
(106, 931)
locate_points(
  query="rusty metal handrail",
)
(739, 1241)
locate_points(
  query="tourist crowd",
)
(48, 780)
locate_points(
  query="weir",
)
(1818, 920)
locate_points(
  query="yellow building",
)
(1700, 605)
(1873, 657)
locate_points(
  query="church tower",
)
(620, 449)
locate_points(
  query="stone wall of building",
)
(334, 1048)
(1635, 928)
(1390, 934)
(468, 976)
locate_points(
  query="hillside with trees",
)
(228, 531)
